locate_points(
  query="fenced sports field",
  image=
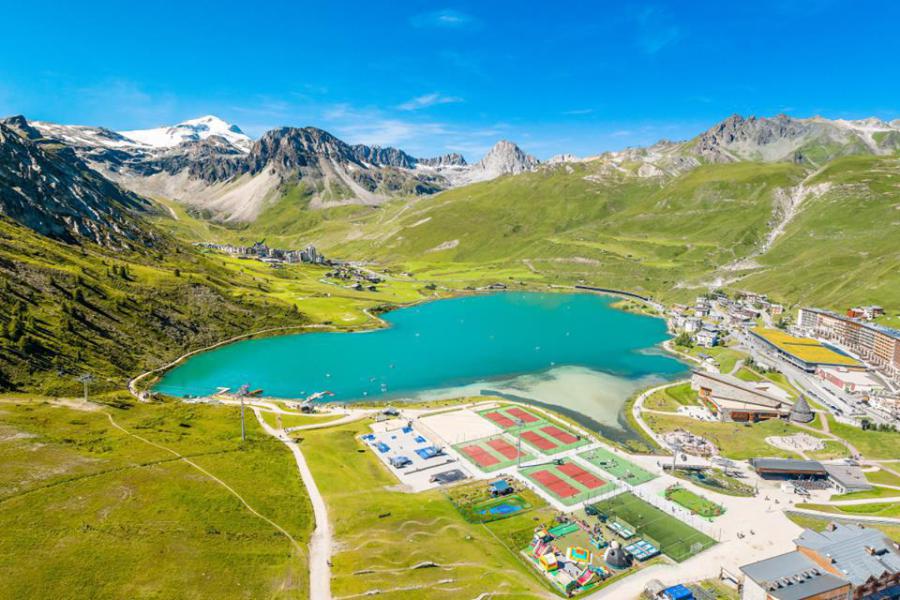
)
(617, 466)
(492, 453)
(536, 432)
(676, 539)
(569, 482)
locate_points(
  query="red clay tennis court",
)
(563, 436)
(538, 441)
(482, 457)
(526, 416)
(553, 483)
(500, 419)
(581, 476)
(504, 448)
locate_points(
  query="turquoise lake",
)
(568, 350)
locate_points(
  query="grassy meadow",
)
(90, 511)
(382, 532)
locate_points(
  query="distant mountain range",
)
(805, 210)
(213, 167)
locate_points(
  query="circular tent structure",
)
(616, 556)
(801, 412)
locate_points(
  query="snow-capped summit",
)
(190, 131)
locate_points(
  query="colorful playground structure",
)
(572, 572)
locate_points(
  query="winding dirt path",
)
(321, 543)
(243, 501)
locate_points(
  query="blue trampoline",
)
(642, 550)
(427, 452)
(502, 509)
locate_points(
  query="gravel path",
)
(321, 543)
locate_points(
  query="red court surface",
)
(481, 456)
(563, 436)
(538, 441)
(500, 419)
(581, 476)
(553, 483)
(504, 448)
(517, 412)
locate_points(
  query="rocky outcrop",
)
(783, 138)
(52, 191)
(447, 160)
(506, 158)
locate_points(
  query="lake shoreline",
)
(377, 323)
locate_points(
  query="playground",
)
(534, 431)
(568, 483)
(476, 504)
(632, 519)
(581, 553)
(492, 453)
(563, 555)
(696, 504)
(617, 466)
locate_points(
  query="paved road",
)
(320, 544)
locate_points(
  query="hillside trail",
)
(230, 489)
(784, 213)
(321, 543)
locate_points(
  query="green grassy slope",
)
(666, 236)
(66, 309)
(87, 511)
(642, 234)
(844, 246)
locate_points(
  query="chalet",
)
(864, 557)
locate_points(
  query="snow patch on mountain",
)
(192, 130)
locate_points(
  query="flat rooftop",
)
(806, 349)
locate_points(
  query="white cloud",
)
(445, 19)
(427, 100)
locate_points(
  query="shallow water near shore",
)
(566, 350)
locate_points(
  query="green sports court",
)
(676, 539)
(617, 466)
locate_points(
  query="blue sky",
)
(578, 77)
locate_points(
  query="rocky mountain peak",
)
(812, 141)
(53, 192)
(446, 160)
(191, 130)
(20, 125)
(506, 158)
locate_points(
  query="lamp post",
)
(242, 392)
(520, 423)
(85, 379)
